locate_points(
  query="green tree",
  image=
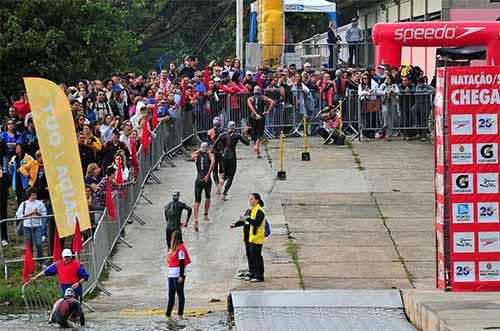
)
(62, 40)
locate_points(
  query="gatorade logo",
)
(442, 33)
(462, 183)
(487, 153)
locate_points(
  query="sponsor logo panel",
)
(464, 272)
(489, 271)
(462, 183)
(487, 212)
(463, 213)
(461, 125)
(463, 242)
(487, 182)
(461, 154)
(489, 242)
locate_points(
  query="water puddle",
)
(121, 322)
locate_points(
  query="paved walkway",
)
(359, 217)
(216, 250)
(354, 217)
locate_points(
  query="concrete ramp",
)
(336, 310)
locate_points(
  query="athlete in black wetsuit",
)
(213, 134)
(257, 105)
(173, 214)
(67, 308)
(227, 144)
(205, 162)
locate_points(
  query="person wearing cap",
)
(188, 70)
(249, 81)
(213, 134)
(227, 144)
(205, 163)
(111, 147)
(353, 36)
(72, 274)
(379, 76)
(173, 215)
(257, 105)
(67, 308)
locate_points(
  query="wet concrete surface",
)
(216, 251)
(122, 321)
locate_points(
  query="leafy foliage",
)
(62, 40)
(67, 40)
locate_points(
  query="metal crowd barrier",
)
(96, 250)
(409, 114)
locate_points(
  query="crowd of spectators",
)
(110, 116)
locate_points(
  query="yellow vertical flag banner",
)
(56, 134)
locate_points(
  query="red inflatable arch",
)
(389, 38)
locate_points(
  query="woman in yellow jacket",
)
(31, 168)
(256, 236)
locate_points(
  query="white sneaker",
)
(4, 243)
(44, 239)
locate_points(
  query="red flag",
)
(183, 94)
(119, 175)
(110, 205)
(77, 238)
(154, 118)
(135, 162)
(259, 79)
(57, 247)
(206, 78)
(29, 264)
(145, 138)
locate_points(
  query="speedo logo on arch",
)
(433, 33)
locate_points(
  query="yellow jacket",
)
(95, 144)
(257, 236)
(30, 170)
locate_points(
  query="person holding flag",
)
(72, 273)
(102, 187)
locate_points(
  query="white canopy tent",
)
(309, 6)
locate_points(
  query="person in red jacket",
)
(22, 105)
(178, 260)
(71, 273)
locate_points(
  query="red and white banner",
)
(439, 180)
(472, 174)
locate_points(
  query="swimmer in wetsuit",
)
(213, 134)
(257, 105)
(173, 214)
(67, 308)
(227, 144)
(205, 162)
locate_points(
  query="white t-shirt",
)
(27, 207)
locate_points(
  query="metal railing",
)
(97, 249)
(318, 54)
(409, 114)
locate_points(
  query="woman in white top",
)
(370, 104)
(107, 128)
(118, 163)
(32, 225)
(388, 91)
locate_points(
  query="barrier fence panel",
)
(318, 54)
(100, 242)
(409, 114)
